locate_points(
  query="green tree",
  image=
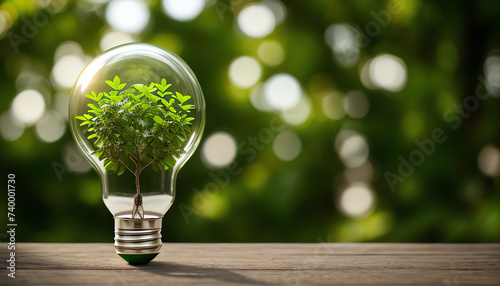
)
(138, 127)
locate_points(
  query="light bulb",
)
(137, 113)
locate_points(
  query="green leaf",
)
(188, 120)
(107, 162)
(121, 170)
(146, 106)
(126, 136)
(121, 86)
(187, 107)
(110, 83)
(115, 167)
(158, 119)
(135, 98)
(122, 122)
(163, 85)
(165, 164)
(182, 98)
(155, 98)
(170, 161)
(81, 118)
(92, 136)
(93, 107)
(98, 143)
(87, 116)
(179, 96)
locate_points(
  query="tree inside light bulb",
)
(137, 113)
(136, 128)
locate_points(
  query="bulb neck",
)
(138, 241)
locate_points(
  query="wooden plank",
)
(280, 264)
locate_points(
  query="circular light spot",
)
(357, 201)
(488, 161)
(10, 129)
(492, 74)
(332, 106)
(3, 24)
(50, 128)
(343, 134)
(256, 21)
(10, 13)
(219, 150)
(388, 72)
(258, 99)
(245, 71)
(131, 16)
(340, 37)
(183, 10)
(282, 91)
(278, 9)
(298, 114)
(28, 106)
(287, 145)
(343, 41)
(112, 39)
(66, 70)
(353, 150)
(356, 104)
(271, 53)
(68, 48)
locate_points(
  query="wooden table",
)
(259, 264)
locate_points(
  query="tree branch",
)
(154, 159)
(119, 160)
(132, 154)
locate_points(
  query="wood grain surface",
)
(258, 264)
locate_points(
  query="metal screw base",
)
(138, 240)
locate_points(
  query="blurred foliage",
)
(447, 199)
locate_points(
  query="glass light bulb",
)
(137, 113)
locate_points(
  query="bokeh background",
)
(351, 85)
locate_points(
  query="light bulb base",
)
(138, 241)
